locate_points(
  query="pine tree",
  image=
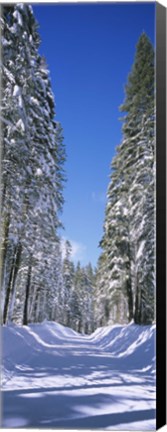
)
(78, 290)
(32, 173)
(128, 240)
(101, 296)
(86, 298)
(68, 278)
(83, 308)
(14, 149)
(139, 128)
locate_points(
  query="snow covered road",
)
(54, 377)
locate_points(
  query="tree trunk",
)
(5, 312)
(25, 310)
(79, 326)
(129, 282)
(13, 284)
(12, 279)
(3, 258)
(86, 328)
(4, 188)
(130, 300)
(4, 246)
(34, 313)
(137, 315)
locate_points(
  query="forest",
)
(38, 281)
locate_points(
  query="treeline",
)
(32, 174)
(126, 267)
(79, 285)
(37, 282)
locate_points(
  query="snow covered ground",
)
(54, 377)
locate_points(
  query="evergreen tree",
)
(68, 278)
(128, 240)
(84, 283)
(101, 296)
(89, 298)
(32, 173)
(78, 287)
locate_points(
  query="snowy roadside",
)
(54, 377)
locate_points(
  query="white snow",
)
(39, 172)
(55, 377)
(20, 125)
(16, 91)
(33, 99)
(14, 28)
(17, 94)
(18, 17)
(9, 75)
(140, 250)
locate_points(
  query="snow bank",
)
(55, 377)
(133, 344)
(19, 342)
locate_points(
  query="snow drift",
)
(55, 377)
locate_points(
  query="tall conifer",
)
(128, 239)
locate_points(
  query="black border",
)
(161, 214)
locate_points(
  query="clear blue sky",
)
(89, 50)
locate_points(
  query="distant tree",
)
(101, 296)
(89, 298)
(68, 278)
(84, 282)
